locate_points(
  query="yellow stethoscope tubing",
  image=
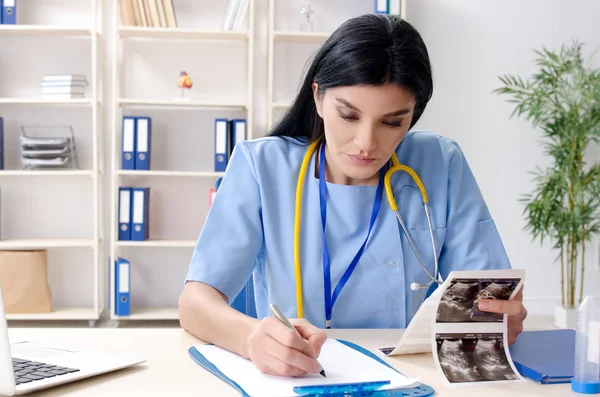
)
(396, 166)
(299, 189)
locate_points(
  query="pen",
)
(277, 313)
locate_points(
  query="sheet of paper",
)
(341, 363)
(470, 347)
(417, 336)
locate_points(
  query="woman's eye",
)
(348, 117)
(393, 124)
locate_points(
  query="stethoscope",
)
(396, 166)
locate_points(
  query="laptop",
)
(27, 366)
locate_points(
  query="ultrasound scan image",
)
(456, 360)
(457, 302)
(491, 361)
(460, 302)
(473, 358)
(494, 290)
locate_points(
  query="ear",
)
(318, 99)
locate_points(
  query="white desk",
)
(169, 371)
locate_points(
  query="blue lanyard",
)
(329, 299)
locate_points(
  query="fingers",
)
(519, 294)
(277, 350)
(512, 308)
(315, 336)
(288, 337)
(515, 327)
(287, 361)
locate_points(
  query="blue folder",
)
(9, 12)
(420, 391)
(547, 357)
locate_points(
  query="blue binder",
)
(1, 12)
(547, 357)
(420, 391)
(124, 213)
(128, 143)
(1, 142)
(140, 211)
(143, 143)
(237, 132)
(122, 287)
(221, 144)
(9, 12)
(382, 6)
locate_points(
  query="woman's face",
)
(363, 126)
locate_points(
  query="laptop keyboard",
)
(28, 371)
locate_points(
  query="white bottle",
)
(587, 348)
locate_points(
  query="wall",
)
(470, 42)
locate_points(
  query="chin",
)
(364, 174)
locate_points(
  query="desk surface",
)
(169, 371)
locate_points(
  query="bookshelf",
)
(146, 65)
(67, 222)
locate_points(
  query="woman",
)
(367, 86)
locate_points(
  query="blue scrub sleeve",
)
(232, 236)
(472, 241)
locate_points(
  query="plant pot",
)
(565, 317)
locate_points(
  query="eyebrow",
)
(351, 106)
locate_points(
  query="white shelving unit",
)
(276, 36)
(90, 175)
(159, 102)
(283, 18)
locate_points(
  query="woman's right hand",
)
(277, 350)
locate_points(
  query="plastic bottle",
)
(587, 348)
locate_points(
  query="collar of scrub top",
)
(329, 298)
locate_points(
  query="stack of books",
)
(63, 86)
(148, 13)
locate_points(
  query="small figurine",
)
(184, 82)
(307, 25)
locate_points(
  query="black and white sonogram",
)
(456, 359)
(461, 299)
(473, 358)
(490, 358)
(457, 301)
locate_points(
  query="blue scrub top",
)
(250, 228)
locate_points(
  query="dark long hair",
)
(371, 49)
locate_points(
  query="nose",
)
(365, 139)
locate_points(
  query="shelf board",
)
(177, 33)
(200, 174)
(301, 36)
(157, 243)
(73, 173)
(149, 313)
(179, 103)
(45, 243)
(45, 101)
(44, 30)
(281, 105)
(59, 313)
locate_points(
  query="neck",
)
(336, 176)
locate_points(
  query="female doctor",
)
(323, 244)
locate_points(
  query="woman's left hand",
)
(515, 310)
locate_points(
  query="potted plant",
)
(563, 100)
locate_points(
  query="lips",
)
(360, 160)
